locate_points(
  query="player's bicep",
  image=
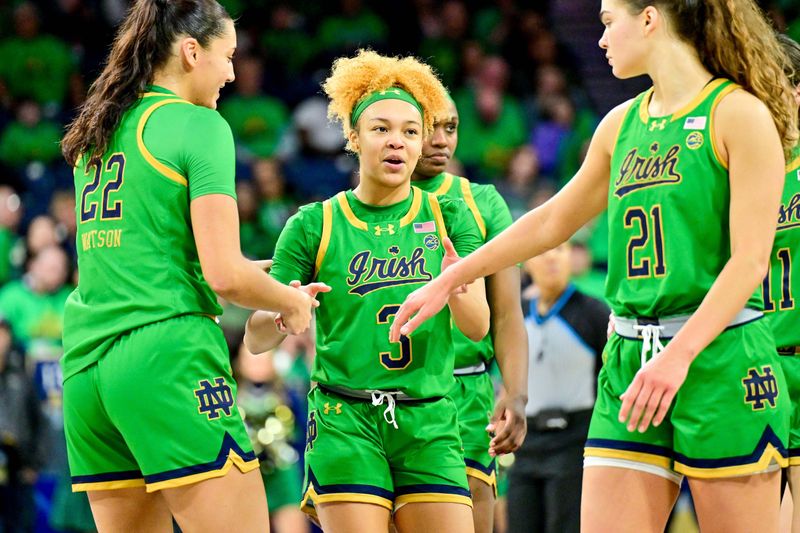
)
(215, 224)
(756, 166)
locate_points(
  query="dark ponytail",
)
(142, 44)
(734, 39)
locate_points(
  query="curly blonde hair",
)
(352, 78)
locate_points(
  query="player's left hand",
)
(508, 424)
(652, 390)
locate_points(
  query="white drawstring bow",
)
(388, 414)
(651, 340)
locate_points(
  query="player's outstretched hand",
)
(509, 426)
(422, 304)
(312, 290)
(652, 390)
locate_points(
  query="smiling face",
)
(438, 149)
(388, 140)
(623, 38)
(213, 66)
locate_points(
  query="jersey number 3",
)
(109, 210)
(387, 359)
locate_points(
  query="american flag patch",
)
(424, 227)
(695, 123)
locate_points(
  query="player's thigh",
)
(431, 517)
(483, 500)
(169, 390)
(625, 500)
(130, 509)
(737, 504)
(233, 502)
(352, 517)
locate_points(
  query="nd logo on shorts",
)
(214, 398)
(760, 388)
(311, 430)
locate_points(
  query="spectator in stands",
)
(12, 249)
(35, 65)
(257, 120)
(491, 126)
(21, 444)
(275, 206)
(29, 138)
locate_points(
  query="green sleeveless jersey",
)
(373, 257)
(137, 258)
(784, 275)
(492, 216)
(668, 209)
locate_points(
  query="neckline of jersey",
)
(379, 212)
(709, 87)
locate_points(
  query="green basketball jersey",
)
(136, 252)
(373, 257)
(668, 209)
(779, 296)
(492, 216)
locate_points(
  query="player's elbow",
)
(223, 284)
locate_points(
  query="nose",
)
(395, 141)
(231, 75)
(438, 137)
(603, 42)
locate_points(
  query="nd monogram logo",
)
(337, 408)
(760, 388)
(214, 398)
(311, 430)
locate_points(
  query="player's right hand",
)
(297, 318)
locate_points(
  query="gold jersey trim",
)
(437, 215)
(445, 186)
(155, 163)
(327, 222)
(711, 129)
(466, 190)
(644, 114)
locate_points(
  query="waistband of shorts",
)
(473, 370)
(628, 327)
(366, 394)
(789, 350)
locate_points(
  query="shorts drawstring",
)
(651, 340)
(378, 397)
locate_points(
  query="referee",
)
(566, 335)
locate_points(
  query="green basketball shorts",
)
(157, 410)
(729, 418)
(353, 454)
(474, 398)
